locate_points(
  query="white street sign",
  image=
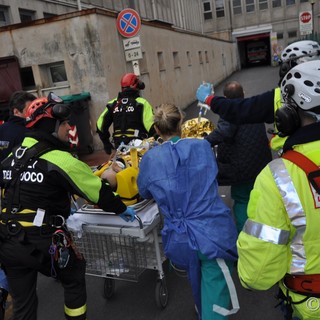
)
(305, 19)
(131, 43)
(136, 68)
(133, 54)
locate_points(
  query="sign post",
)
(305, 22)
(128, 25)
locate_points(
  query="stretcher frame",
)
(123, 252)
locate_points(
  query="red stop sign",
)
(305, 17)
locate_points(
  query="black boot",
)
(3, 300)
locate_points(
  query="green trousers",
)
(240, 194)
(214, 289)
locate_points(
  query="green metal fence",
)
(314, 36)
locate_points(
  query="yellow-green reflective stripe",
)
(266, 233)
(101, 117)
(277, 99)
(147, 113)
(127, 135)
(75, 312)
(22, 211)
(129, 130)
(276, 142)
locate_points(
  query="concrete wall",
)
(92, 50)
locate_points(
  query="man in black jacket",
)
(242, 152)
(130, 114)
(263, 107)
(38, 179)
(13, 131)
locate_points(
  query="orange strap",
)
(310, 168)
(307, 284)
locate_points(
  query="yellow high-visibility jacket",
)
(282, 233)
(276, 142)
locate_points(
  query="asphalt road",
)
(136, 300)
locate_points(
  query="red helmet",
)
(34, 114)
(42, 108)
(131, 81)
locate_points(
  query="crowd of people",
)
(271, 238)
(277, 244)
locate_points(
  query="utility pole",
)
(79, 5)
(312, 2)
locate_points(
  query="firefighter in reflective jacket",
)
(38, 178)
(131, 115)
(280, 240)
(261, 108)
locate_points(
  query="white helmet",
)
(302, 85)
(301, 51)
(296, 53)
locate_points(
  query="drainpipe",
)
(201, 16)
(154, 10)
(230, 17)
(132, 4)
(79, 5)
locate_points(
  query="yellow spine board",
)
(127, 187)
(134, 158)
(102, 169)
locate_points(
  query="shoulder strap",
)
(113, 104)
(310, 168)
(22, 156)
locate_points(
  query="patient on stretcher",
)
(109, 175)
(121, 172)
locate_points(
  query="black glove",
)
(108, 148)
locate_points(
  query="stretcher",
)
(119, 250)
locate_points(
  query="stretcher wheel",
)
(161, 294)
(109, 288)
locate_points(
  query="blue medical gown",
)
(181, 178)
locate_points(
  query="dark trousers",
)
(27, 253)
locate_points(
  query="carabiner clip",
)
(53, 223)
(20, 152)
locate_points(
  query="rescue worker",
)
(261, 108)
(199, 233)
(38, 179)
(12, 132)
(240, 158)
(131, 115)
(280, 240)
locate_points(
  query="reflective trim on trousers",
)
(75, 312)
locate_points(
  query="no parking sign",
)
(128, 23)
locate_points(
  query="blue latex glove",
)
(128, 215)
(204, 91)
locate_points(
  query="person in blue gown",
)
(199, 233)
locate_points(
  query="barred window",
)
(276, 3)
(249, 6)
(207, 11)
(263, 4)
(219, 8)
(237, 9)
